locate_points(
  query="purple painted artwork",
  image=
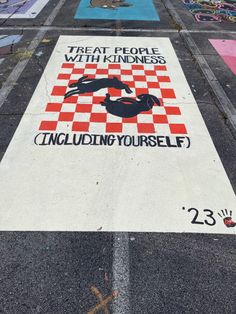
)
(11, 6)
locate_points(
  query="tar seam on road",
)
(121, 269)
(19, 68)
(224, 102)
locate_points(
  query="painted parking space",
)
(212, 11)
(79, 272)
(119, 10)
(6, 44)
(135, 14)
(84, 120)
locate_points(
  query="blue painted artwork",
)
(136, 10)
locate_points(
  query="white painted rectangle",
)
(116, 187)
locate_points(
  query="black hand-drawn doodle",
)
(109, 4)
(227, 218)
(126, 107)
(86, 85)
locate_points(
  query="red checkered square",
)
(137, 67)
(150, 73)
(160, 68)
(126, 72)
(91, 65)
(83, 108)
(98, 117)
(138, 78)
(66, 116)
(78, 71)
(153, 85)
(172, 111)
(63, 76)
(130, 83)
(48, 126)
(114, 127)
(130, 120)
(86, 113)
(163, 78)
(160, 118)
(59, 90)
(68, 65)
(70, 100)
(114, 66)
(178, 129)
(114, 92)
(146, 128)
(80, 126)
(168, 93)
(53, 107)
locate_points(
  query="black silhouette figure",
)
(86, 85)
(227, 218)
(126, 107)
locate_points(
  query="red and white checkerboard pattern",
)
(84, 113)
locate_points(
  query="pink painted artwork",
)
(227, 50)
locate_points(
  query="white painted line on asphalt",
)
(121, 273)
(224, 102)
(19, 68)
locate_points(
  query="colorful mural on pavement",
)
(21, 8)
(6, 44)
(212, 10)
(227, 50)
(117, 10)
(101, 116)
